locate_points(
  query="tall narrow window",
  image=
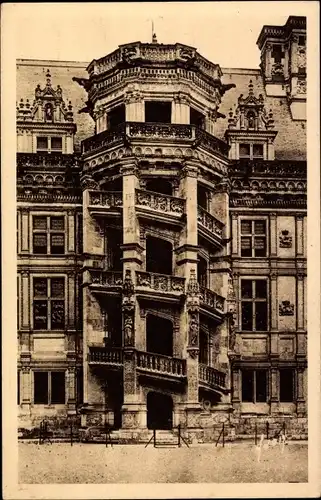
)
(253, 238)
(48, 234)
(48, 303)
(197, 118)
(254, 305)
(286, 385)
(49, 387)
(254, 386)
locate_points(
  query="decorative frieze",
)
(160, 202)
(160, 282)
(111, 199)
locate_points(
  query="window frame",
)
(254, 386)
(49, 148)
(252, 235)
(169, 102)
(49, 299)
(253, 300)
(49, 387)
(49, 232)
(251, 144)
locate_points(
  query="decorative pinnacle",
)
(154, 39)
(48, 76)
(250, 88)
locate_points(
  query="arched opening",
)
(202, 272)
(159, 185)
(158, 256)
(204, 348)
(159, 411)
(159, 335)
(202, 197)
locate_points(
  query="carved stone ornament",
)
(193, 328)
(128, 328)
(193, 352)
(193, 286)
(301, 87)
(286, 308)
(277, 69)
(87, 182)
(128, 286)
(285, 240)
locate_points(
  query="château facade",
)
(161, 238)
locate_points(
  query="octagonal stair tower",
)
(156, 230)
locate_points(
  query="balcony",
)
(211, 302)
(132, 133)
(105, 281)
(209, 227)
(105, 356)
(160, 207)
(156, 286)
(211, 378)
(106, 203)
(159, 364)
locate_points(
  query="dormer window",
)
(158, 112)
(251, 151)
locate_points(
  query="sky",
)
(224, 32)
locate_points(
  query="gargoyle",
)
(226, 87)
(83, 82)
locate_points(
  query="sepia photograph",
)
(157, 291)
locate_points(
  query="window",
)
(301, 40)
(158, 111)
(49, 144)
(251, 151)
(254, 386)
(197, 118)
(286, 385)
(116, 116)
(18, 387)
(48, 303)
(254, 305)
(48, 234)
(49, 388)
(202, 196)
(253, 238)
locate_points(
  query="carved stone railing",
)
(209, 222)
(160, 202)
(103, 355)
(160, 282)
(50, 197)
(159, 130)
(211, 142)
(275, 168)
(211, 376)
(212, 299)
(104, 139)
(106, 278)
(161, 364)
(106, 199)
(47, 160)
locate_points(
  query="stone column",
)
(25, 389)
(93, 328)
(299, 236)
(71, 389)
(235, 234)
(274, 345)
(71, 232)
(268, 61)
(180, 109)
(133, 410)
(301, 391)
(135, 110)
(300, 302)
(274, 389)
(236, 384)
(25, 230)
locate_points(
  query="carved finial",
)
(250, 88)
(154, 39)
(48, 76)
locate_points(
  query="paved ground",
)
(94, 463)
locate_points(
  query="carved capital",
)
(87, 182)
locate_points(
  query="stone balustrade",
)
(211, 376)
(104, 139)
(189, 134)
(212, 299)
(47, 160)
(160, 282)
(106, 199)
(103, 355)
(161, 364)
(209, 222)
(160, 202)
(106, 278)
